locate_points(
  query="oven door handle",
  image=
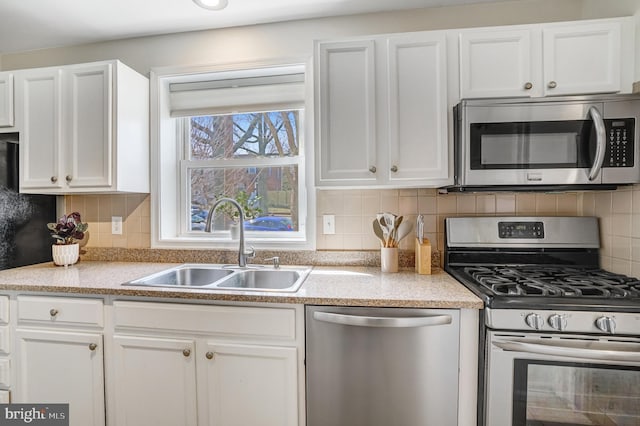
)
(602, 354)
(601, 142)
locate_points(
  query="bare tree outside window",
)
(253, 139)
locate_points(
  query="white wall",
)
(291, 39)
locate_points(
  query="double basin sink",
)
(226, 277)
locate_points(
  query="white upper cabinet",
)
(569, 58)
(496, 63)
(381, 105)
(347, 110)
(417, 88)
(582, 58)
(6, 99)
(83, 129)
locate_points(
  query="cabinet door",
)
(62, 367)
(39, 118)
(345, 103)
(496, 63)
(582, 58)
(249, 385)
(88, 118)
(417, 87)
(155, 382)
(6, 99)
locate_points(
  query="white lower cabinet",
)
(155, 381)
(59, 356)
(176, 364)
(249, 385)
(62, 367)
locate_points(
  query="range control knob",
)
(606, 324)
(534, 321)
(558, 322)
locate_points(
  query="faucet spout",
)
(242, 253)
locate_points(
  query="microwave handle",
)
(601, 142)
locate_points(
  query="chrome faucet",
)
(242, 253)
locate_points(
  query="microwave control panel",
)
(620, 143)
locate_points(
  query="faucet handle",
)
(250, 252)
(276, 261)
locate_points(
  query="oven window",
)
(531, 145)
(560, 394)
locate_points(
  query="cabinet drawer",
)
(273, 323)
(4, 309)
(60, 311)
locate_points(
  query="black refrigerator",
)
(24, 237)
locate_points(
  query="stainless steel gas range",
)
(560, 337)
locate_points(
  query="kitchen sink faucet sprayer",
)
(242, 254)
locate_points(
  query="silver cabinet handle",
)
(601, 142)
(54, 179)
(373, 169)
(92, 346)
(186, 352)
(53, 312)
(69, 178)
(603, 353)
(209, 355)
(552, 85)
(392, 322)
(528, 86)
(394, 169)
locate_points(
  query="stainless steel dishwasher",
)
(382, 366)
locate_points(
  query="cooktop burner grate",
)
(562, 281)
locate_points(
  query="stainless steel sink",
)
(226, 277)
(265, 279)
(185, 276)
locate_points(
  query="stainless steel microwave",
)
(547, 143)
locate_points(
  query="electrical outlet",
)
(328, 224)
(116, 225)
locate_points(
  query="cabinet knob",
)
(552, 85)
(186, 352)
(528, 85)
(394, 169)
(54, 179)
(92, 346)
(53, 312)
(209, 355)
(68, 178)
(372, 169)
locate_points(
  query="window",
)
(236, 134)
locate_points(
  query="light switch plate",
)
(328, 224)
(116, 225)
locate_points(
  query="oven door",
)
(561, 380)
(534, 144)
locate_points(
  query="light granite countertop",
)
(325, 285)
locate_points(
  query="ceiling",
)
(31, 24)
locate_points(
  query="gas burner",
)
(554, 281)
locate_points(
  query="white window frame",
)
(170, 189)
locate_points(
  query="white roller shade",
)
(255, 90)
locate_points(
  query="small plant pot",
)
(389, 259)
(65, 254)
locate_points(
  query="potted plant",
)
(249, 207)
(67, 232)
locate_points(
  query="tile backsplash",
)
(354, 210)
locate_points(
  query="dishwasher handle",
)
(389, 322)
